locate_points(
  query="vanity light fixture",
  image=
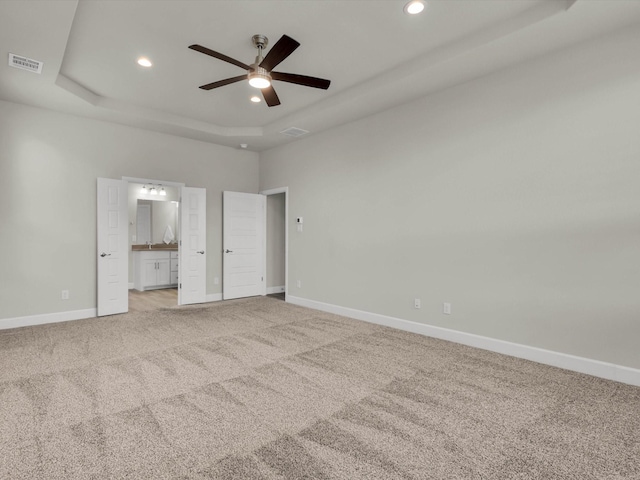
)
(152, 189)
(414, 7)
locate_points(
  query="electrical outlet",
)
(417, 303)
(216, 280)
(64, 295)
(446, 308)
(299, 283)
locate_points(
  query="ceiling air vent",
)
(25, 63)
(294, 132)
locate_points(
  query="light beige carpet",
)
(260, 389)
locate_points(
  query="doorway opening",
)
(277, 242)
(153, 241)
(114, 244)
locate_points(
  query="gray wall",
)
(49, 163)
(515, 197)
(275, 240)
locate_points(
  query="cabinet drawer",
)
(174, 264)
(174, 255)
(174, 278)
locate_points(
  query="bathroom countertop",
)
(155, 246)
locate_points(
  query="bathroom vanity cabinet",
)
(155, 269)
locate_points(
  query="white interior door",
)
(192, 275)
(243, 245)
(113, 254)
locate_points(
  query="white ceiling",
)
(375, 55)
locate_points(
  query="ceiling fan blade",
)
(219, 56)
(222, 83)
(281, 50)
(301, 80)
(270, 96)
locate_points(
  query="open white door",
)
(192, 270)
(243, 245)
(113, 255)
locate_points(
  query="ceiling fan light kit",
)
(260, 73)
(259, 78)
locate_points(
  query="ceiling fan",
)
(260, 73)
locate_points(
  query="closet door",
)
(243, 241)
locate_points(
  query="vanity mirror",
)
(156, 222)
(153, 219)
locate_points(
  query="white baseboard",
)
(596, 368)
(272, 290)
(30, 320)
(214, 297)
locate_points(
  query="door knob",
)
(105, 254)
(228, 251)
(201, 252)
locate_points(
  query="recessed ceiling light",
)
(144, 62)
(414, 7)
(255, 99)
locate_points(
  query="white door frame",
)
(274, 191)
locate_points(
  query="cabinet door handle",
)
(105, 254)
